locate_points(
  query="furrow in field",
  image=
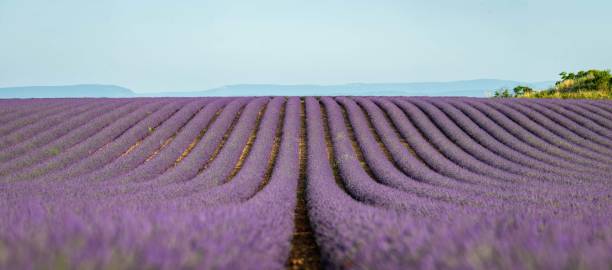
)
(551, 133)
(182, 129)
(500, 144)
(539, 135)
(23, 136)
(197, 138)
(305, 253)
(257, 164)
(184, 179)
(312, 183)
(62, 143)
(113, 149)
(473, 147)
(357, 181)
(513, 137)
(87, 147)
(598, 113)
(165, 170)
(156, 166)
(14, 124)
(146, 145)
(590, 117)
(25, 111)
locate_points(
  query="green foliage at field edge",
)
(591, 84)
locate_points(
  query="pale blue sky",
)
(196, 45)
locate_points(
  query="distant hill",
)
(473, 88)
(82, 90)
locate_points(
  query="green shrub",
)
(591, 84)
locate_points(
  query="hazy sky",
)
(195, 45)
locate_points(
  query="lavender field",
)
(305, 183)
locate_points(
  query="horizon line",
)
(268, 84)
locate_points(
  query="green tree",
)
(521, 90)
(590, 80)
(502, 93)
(589, 84)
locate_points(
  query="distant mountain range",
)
(472, 88)
(82, 90)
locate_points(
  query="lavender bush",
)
(389, 183)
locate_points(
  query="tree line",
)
(590, 84)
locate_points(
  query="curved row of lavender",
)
(460, 183)
(392, 183)
(205, 183)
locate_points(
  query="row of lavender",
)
(145, 183)
(391, 182)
